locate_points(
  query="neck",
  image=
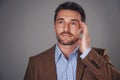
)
(67, 49)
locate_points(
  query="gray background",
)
(26, 29)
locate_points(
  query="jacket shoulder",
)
(103, 54)
(100, 51)
(43, 55)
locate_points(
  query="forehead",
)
(68, 14)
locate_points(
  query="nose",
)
(66, 27)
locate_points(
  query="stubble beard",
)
(71, 42)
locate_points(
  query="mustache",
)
(66, 33)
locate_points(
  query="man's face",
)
(67, 26)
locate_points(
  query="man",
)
(72, 58)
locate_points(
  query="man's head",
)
(67, 22)
(71, 6)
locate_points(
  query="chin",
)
(67, 42)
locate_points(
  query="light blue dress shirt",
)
(66, 68)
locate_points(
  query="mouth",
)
(66, 35)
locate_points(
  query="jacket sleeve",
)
(98, 62)
(29, 71)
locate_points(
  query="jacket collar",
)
(80, 67)
(51, 60)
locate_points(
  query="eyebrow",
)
(59, 19)
(75, 20)
(70, 20)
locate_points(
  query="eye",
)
(60, 22)
(73, 23)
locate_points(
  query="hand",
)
(84, 40)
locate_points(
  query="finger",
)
(82, 26)
(85, 29)
(79, 33)
(81, 36)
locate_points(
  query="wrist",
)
(85, 53)
(84, 49)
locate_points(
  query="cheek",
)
(74, 31)
(58, 30)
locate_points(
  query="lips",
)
(66, 34)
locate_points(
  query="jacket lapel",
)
(50, 65)
(51, 74)
(80, 67)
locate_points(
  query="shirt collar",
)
(58, 52)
